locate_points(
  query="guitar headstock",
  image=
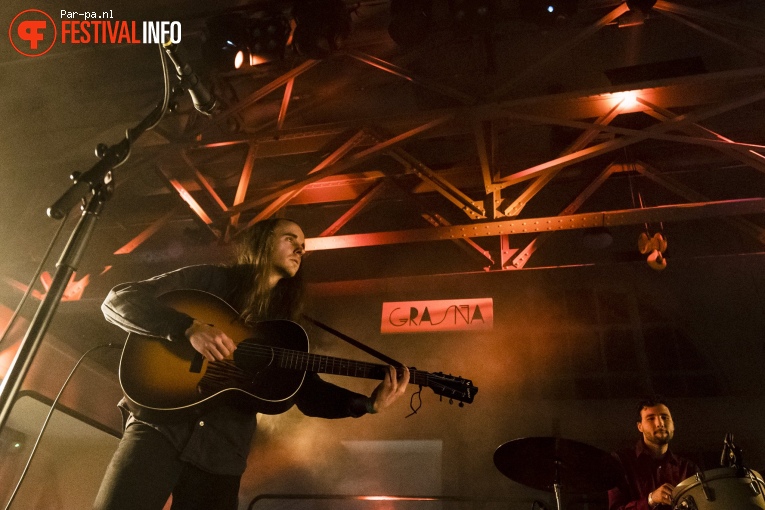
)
(452, 387)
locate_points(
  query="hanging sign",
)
(440, 315)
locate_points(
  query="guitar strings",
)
(222, 371)
(292, 359)
(289, 358)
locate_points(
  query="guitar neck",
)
(297, 360)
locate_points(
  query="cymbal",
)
(581, 468)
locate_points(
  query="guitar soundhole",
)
(253, 358)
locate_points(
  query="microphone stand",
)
(557, 485)
(93, 188)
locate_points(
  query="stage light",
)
(226, 45)
(628, 99)
(547, 12)
(321, 26)
(267, 38)
(410, 21)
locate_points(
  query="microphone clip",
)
(203, 100)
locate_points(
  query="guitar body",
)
(158, 374)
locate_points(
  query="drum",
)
(720, 489)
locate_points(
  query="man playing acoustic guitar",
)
(198, 453)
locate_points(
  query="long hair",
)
(254, 299)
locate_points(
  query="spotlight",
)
(410, 21)
(321, 26)
(226, 45)
(267, 38)
(547, 12)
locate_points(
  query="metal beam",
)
(713, 17)
(471, 208)
(743, 225)
(186, 197)
(603, 148)
(733, 149)
(395, 70)
(667, 213)
(261, 93)
(515, 208)
(149, 231)
(485, 148)
(523, 256)
(204, 184)
(345, 164)
(271, 209)
(244, 181)
(364, 199)
(467, 245)
(714, 35)
(285, 103)
(675, 93)
(715, 143)
(559, 51)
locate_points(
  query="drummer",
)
(651, 470)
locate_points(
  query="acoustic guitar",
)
(269, 364)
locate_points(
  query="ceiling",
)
(508, 146)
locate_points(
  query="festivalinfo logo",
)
(33, 32)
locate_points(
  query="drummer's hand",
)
(209, 341)
(663, 495)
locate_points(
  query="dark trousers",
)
(146, 469)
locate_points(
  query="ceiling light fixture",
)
(226, 45)
(267, 38)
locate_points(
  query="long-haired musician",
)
(199, 455)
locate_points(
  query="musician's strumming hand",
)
(392, 387)
(661, 496)
(209, 341)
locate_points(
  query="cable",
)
(50, 414)
(415, 402)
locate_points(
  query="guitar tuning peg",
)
(461, 404)
(451, 401)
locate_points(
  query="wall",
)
(571, 352)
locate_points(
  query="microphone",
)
(203, 101)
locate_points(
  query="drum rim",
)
(713, 474)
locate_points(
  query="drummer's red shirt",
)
(642, 474)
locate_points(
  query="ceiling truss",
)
(494, 206)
